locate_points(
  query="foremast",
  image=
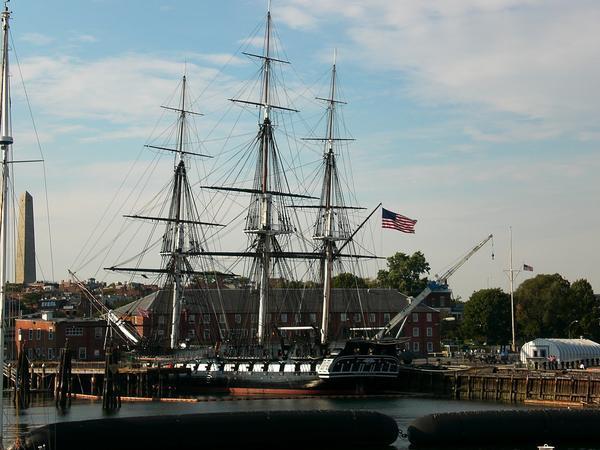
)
(332, 222)
(327, 213)
(6, 142)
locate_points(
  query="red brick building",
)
(210, 316)
(42, 338)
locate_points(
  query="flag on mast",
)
(398, 222)
(527, 268)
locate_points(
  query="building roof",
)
(280, 300)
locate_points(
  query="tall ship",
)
(264, 317)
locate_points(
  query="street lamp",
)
(569, 327)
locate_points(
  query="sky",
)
(469, 116)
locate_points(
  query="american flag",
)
(527, 268)
(398, 222)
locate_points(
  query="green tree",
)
(348, 280)
(487, 317)
(404, 273)
(543, 307)
(585, 310)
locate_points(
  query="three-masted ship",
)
(259, 350)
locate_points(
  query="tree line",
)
(547, 305)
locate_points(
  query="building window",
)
(38, 334)
(96, 353)
(206, 319)
(430, 347)
(191, 318)
(386, 317)
(50, 353)
(98, 332)
(415, 317)
(415, 347)
(357, 318)
(30, 335)
(38, 352)
(206, 335)
(191, 333)
(429, 331)
(283, 318)
(428, 317)
(30, 353)
(82, 353)
(74, 331)
(238, 318)
(343, 317)
(372, 318)
(415, 331)
(50, 335)
(313, 317)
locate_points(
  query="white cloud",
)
(121, 91)
(86, 38)
(36, 38)
(536, 59)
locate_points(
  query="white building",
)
(560, 353)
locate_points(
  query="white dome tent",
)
(560, 353)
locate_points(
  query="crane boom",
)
(443, 279)
(122, 327)
(440, 282)
(412, 304)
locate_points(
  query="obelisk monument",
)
(25, 270)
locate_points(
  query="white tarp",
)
(564, 350)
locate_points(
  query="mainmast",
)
(178, 233)
(260, 217)
(266, 204)
(6, 141)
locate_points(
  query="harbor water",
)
(403, 409)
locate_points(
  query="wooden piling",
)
(63, 385)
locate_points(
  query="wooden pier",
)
(88, 378)
(548, 388)
(569, 388)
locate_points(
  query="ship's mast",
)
(266, 203)
(328, 238)
(332, 220)
(6, 141)
(178, 231)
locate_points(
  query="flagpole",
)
(512, 274)
(512, 294)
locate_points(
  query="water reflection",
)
(403, 409)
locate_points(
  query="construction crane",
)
(440, 282)
(122, 328)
